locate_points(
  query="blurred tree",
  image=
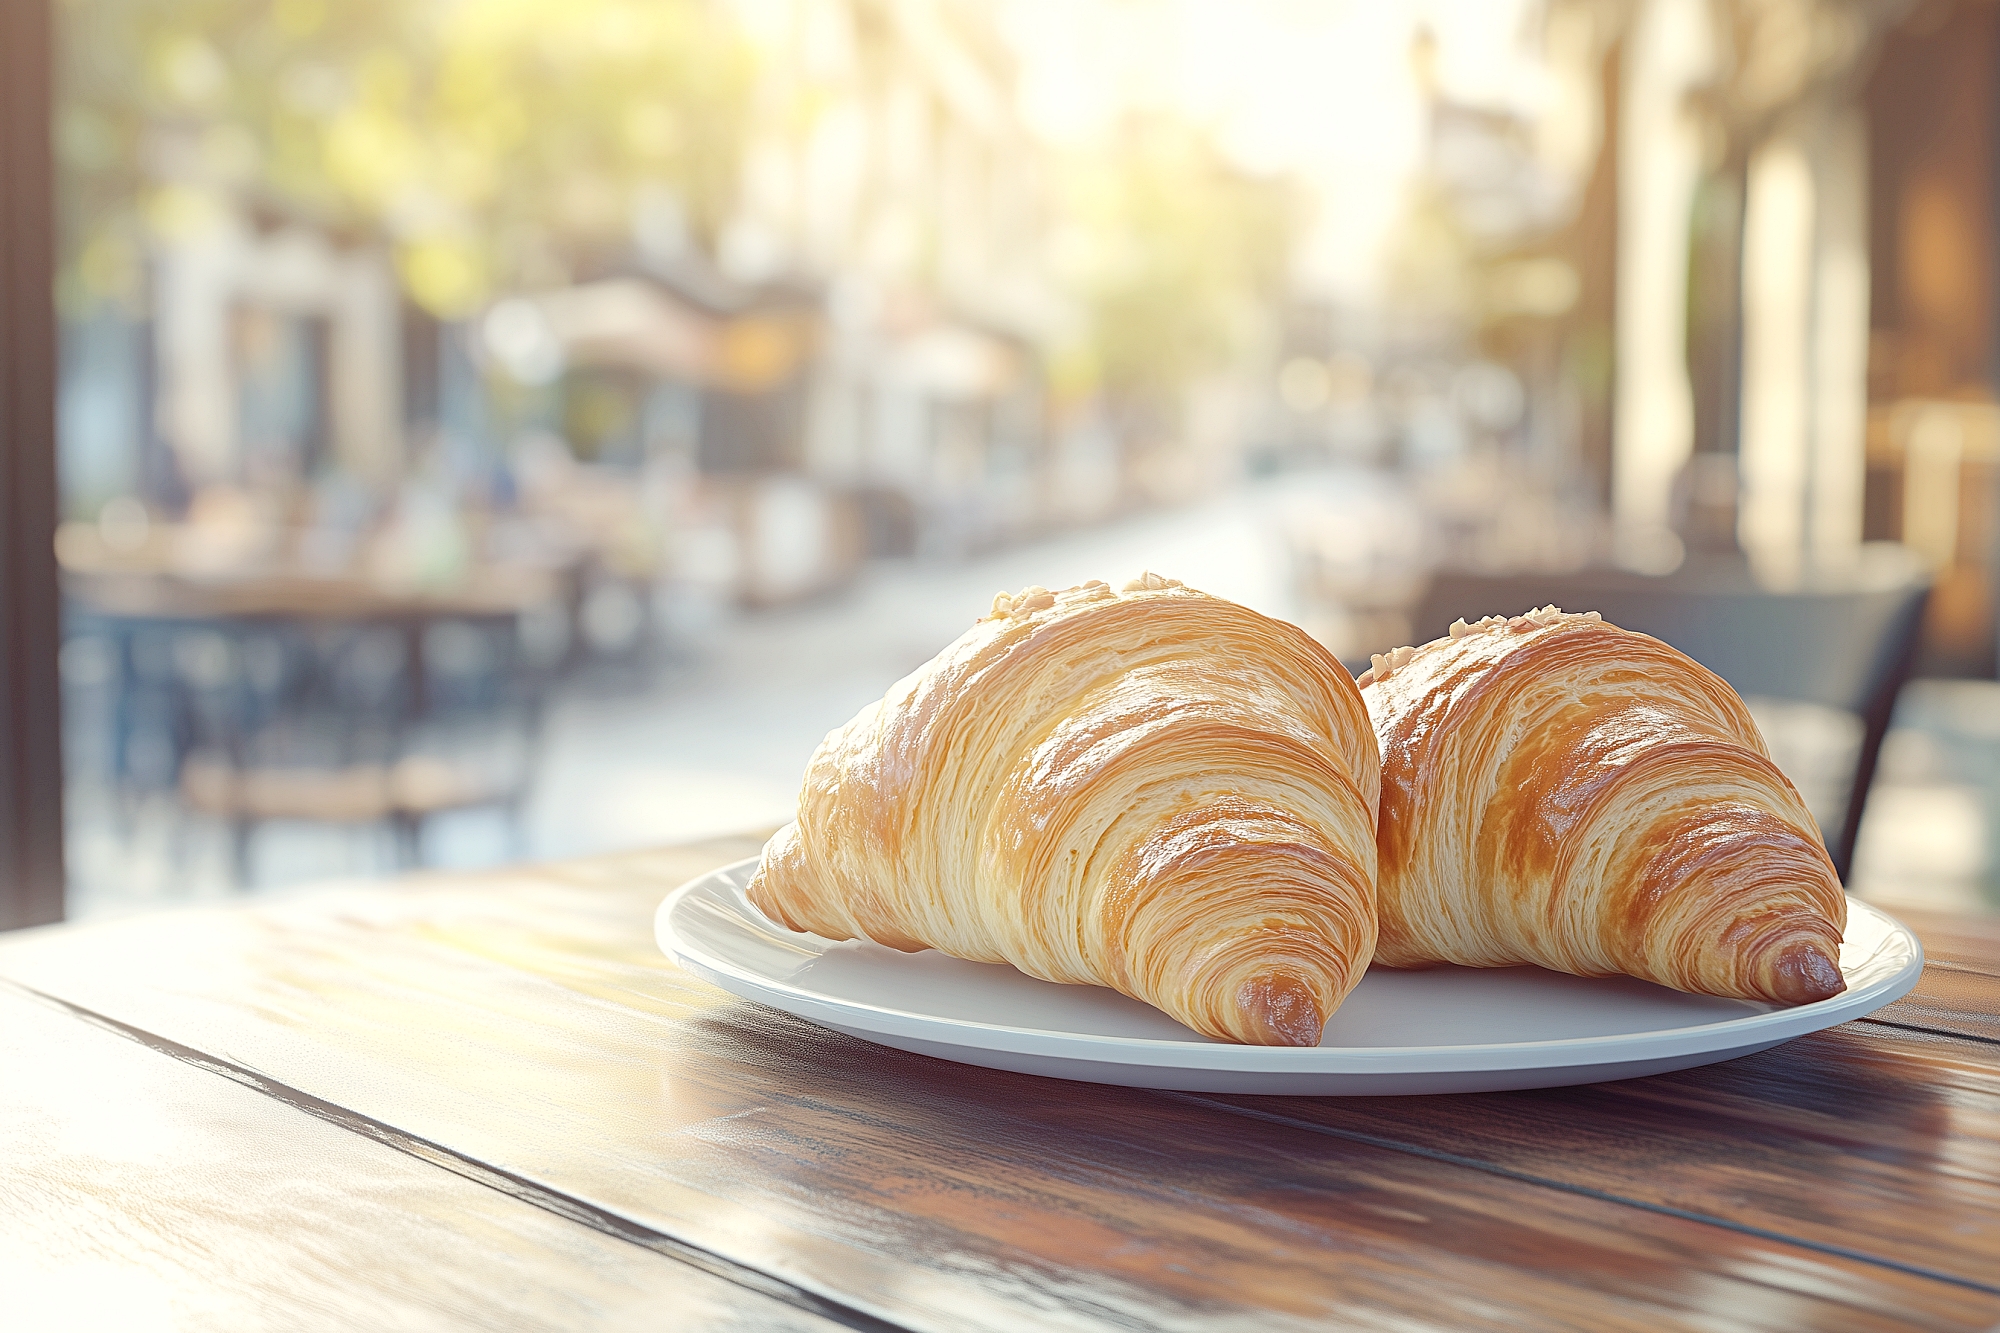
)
(495, 142)
(1178, 259)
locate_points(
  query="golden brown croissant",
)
(1560, 791)
(1156, 790)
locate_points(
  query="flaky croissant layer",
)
(1153, 790)
(1560, 791)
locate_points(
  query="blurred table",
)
(306, 597)
(487, 1101)
(175, 574)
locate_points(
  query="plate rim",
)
(1765, 1028)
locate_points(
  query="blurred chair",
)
(390, 722)
(1846, 643)
(134, 700)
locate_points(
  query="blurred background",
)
(500, 428)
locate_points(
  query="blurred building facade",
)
(916, 204)
(1741, 262)
(1725, 288)
(1932, 108)
(851, 363)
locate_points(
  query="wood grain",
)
(1956, 999)
(1971, 942)
(1881, 1141)
(141, 1193)
(527, 1021)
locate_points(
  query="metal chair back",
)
(1847, 643)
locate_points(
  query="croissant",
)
(1557, 790)
(1154, 790)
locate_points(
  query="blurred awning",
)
(637, 324)
(759, 352)
(633, 323)
(953, 361)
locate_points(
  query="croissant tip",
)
(1281, 1010)
(1805, 972)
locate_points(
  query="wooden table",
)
(486, 1101)
(269, 580)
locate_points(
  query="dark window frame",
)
(31, 852)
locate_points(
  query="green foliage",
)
(493, 141)
(1182, 256)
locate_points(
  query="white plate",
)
(1449, 1029)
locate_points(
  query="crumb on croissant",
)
(1539, 618)
(1034, 598)
(1021, 604)
(1381, 665)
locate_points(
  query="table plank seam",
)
(1965, 966)
(1585, 1191)
(599, 1219)
(1953, 1033)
